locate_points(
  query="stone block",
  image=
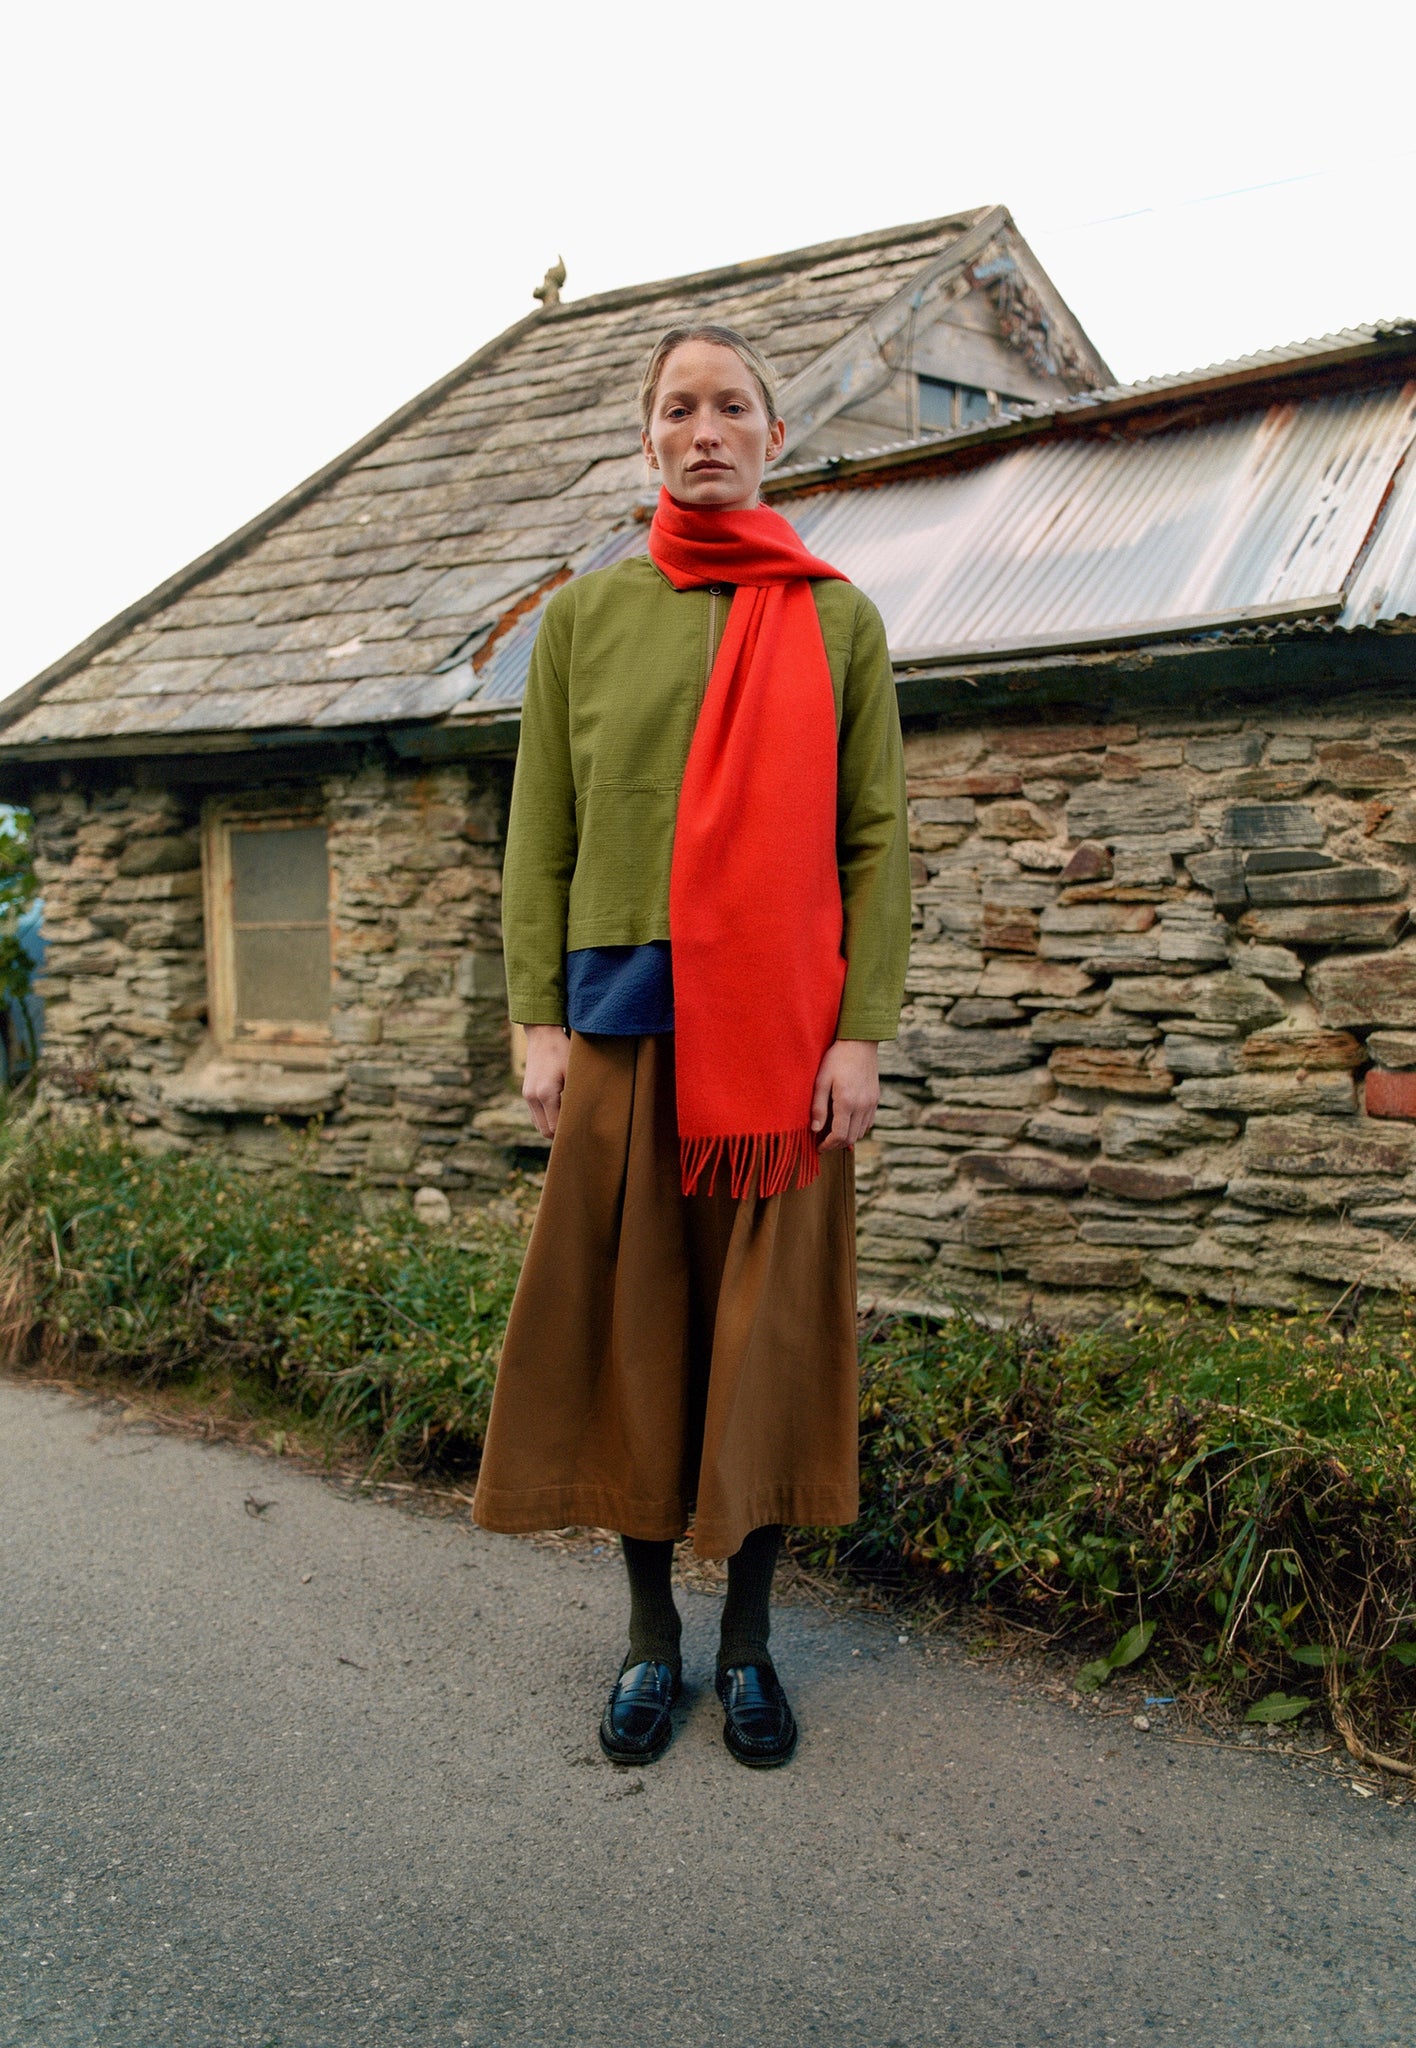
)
(1305, 1193)
(1013, 1220)
(1063, 1131)
(1270, 825)
(1152, 806)
(1041, 856)
(1307, 1145)
(1103, 952)
(974, 1011)
(356, 1024)
(967, 1052)
(1090, 863)
(1085, 1265)
(1019, 820)
(1293, 1046)
(1397, 823)
(1237, 999)
(1007, 929)
(1222, 873)
(1388, 1094)
(1393, 1048)
(1159, 995)
(941, 786)
(1067, 1027)
(170, 855)
(1288, 746)
(1357, 765)
(1027, 1090)
(1286, 860)
(1191, 943)
(977, 1123)
(1142, 1231)
(1334, 884)
(1034, 740)
(1377, 989)
(1225, 750)
(944, 810)
(1098, 917)
(1138, 1183)
(1125, 764)
(1188, 1057)
(1033, 1171)
(1129, 1132)
(1357, 925)
(1119, 1070)
(1270, 1094)
(1266, 963)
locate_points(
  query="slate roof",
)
(351, 604)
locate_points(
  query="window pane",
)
(282, 977)
(936, 402)
(280, 876)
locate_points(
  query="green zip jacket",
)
(617, 677)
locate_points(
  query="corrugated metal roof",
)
(1280, 514)
(1064, 543)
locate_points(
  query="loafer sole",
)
(759, 1760)
(629, 1757)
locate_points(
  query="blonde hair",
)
(752, 359)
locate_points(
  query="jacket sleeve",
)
(541, 838)
(872, 837)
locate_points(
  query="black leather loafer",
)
(636, 1726)
(758, 1724)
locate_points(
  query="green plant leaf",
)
(1278, 1706)
(1093, 1676)
(1132, 1646)
(1402, 1653)
(1315, 1654)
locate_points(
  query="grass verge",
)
(1236, 1499)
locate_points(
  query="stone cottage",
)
(270, 853)
(1156, 663)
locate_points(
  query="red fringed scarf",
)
(754, 890)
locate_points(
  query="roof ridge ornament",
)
(548, 291)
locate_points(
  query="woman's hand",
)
(547, 1051)
(847, 1092)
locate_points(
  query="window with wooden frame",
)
(268, 934)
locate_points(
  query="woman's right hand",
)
(547, 1051)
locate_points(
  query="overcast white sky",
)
(237, 237)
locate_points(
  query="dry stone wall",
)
(418, 1014)
(1160, 1030)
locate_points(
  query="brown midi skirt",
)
(671, 1355)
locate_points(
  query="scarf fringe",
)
(784, 1159)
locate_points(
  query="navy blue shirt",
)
(627, 990)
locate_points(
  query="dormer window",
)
(943, 405)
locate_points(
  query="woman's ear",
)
(776, 435)
(649, 456)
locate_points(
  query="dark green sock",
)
(747, 1611)
(654, 1625)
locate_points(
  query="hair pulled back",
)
(752, 359)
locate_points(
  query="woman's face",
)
(709, 436)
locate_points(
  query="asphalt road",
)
(326, 1775)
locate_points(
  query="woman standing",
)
(707, 917)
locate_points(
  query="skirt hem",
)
(797, 1507)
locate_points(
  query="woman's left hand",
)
(847, 1092)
